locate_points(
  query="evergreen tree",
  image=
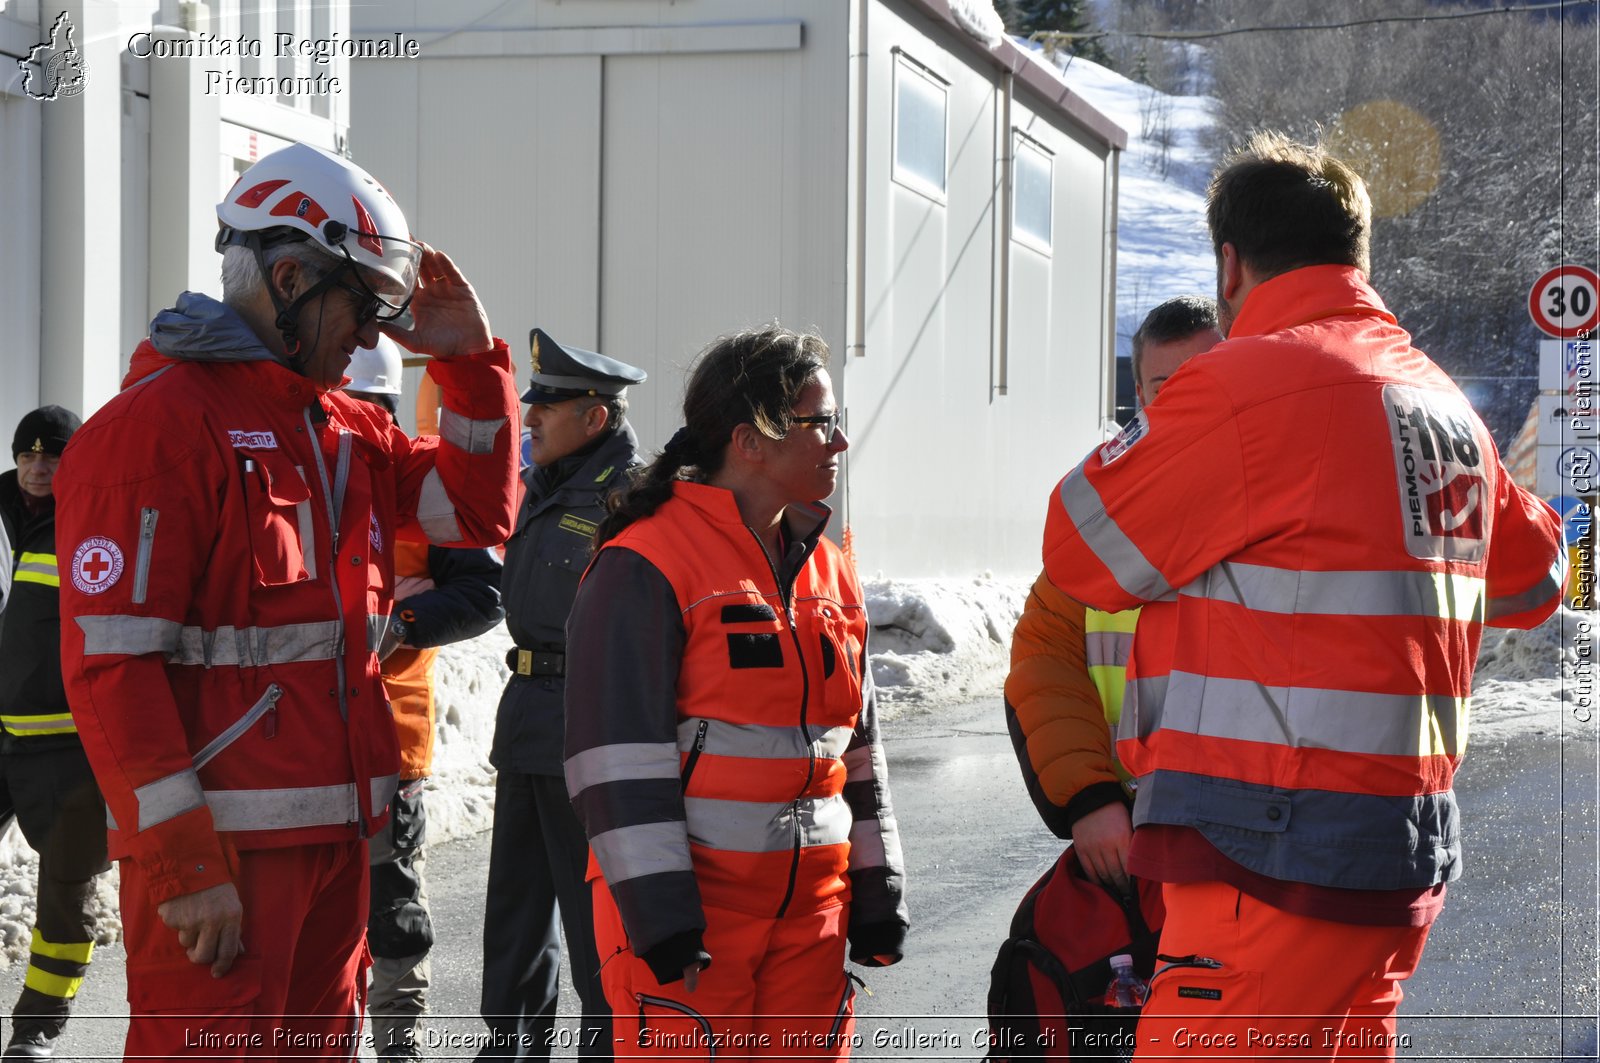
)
(1026, 17)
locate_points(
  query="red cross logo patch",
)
(96, 564)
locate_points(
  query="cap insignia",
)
(38, 446)
(534, 357)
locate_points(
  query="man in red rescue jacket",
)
(226, 530)
(1321, 527)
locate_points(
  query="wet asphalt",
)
(1510, 971)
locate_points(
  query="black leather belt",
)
(536, 662)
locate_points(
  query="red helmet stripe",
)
(257, 195)
(367, 226)
(299, 205)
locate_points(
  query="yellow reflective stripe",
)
(53, 724)
(1099, 620)
(1110, 680)
(75, 951)
(37, 568)
(52, 985)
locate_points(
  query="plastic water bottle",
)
(1127, 989)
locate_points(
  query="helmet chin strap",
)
(287, 319)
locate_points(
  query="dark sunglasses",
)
(828, 421)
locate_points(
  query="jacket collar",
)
(806, 520)
(1305, 295)
(610, 455)
(198, 328)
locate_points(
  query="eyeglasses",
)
(366, 304)
(828, 421)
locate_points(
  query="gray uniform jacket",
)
(545, 558)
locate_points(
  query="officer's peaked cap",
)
(561, 373)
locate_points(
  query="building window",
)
(921, 101)
(1031, 178)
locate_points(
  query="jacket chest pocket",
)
(841, 649)
(278, 509)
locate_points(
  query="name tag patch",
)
(253, 440)
(577, 525)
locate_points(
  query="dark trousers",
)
(53, 797)
(537, 860)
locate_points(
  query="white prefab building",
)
(640, 176)
(636, 177)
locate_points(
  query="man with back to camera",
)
(226, 526)
(1067, 661)
(1320, 526)
(441, 595)
(582, 447)
(45, 781)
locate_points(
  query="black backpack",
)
(1047, 989)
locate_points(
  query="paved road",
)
(1514, 952)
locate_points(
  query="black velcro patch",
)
(748, 612)
(755, 651)
(1199, 993)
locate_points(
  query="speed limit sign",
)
(1565, 302)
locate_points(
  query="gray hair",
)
(241, 276)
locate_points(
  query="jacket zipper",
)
(805, 737)
(268, 702)
(694, 754)
(683, 1009)
(1172, 963)
(850, 983)
(147, 539)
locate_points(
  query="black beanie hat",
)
(46, 429)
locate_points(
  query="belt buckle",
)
(524, 662)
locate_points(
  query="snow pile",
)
(941, 641)
(1536, 682)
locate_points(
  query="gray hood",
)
(200, 329)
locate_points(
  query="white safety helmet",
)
(376, 369)
(337, 205)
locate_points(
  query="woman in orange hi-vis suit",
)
(730, 777)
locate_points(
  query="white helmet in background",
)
(301, 192)
(376, 369)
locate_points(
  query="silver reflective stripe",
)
(1129, 567)
(377, 624)
(381, 790)
(222, 647)
(1358, 593)
(1353, 721)
(767, 827)
(308, 529)
(1107, 647)
(147, 542)
(239, 726)
(624, 760)
(38, 565)
(858, 764)
(285, 809)
(866, 844)
(167, 798)
(645, 849)
(761, 742)
(132, 635)
(435, 512)
(1535, 596)
(474, 437)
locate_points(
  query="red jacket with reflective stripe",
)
(219, 623)
(1322, 526)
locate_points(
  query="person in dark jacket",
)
(45, 781)
(441, 595)
(581, 446)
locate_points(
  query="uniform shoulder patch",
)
(1440, 447)
(96, 564)
(1124, 440)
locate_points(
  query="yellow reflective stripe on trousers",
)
(37, 568)
(74, 951)
(59, 723)
(52, 985)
